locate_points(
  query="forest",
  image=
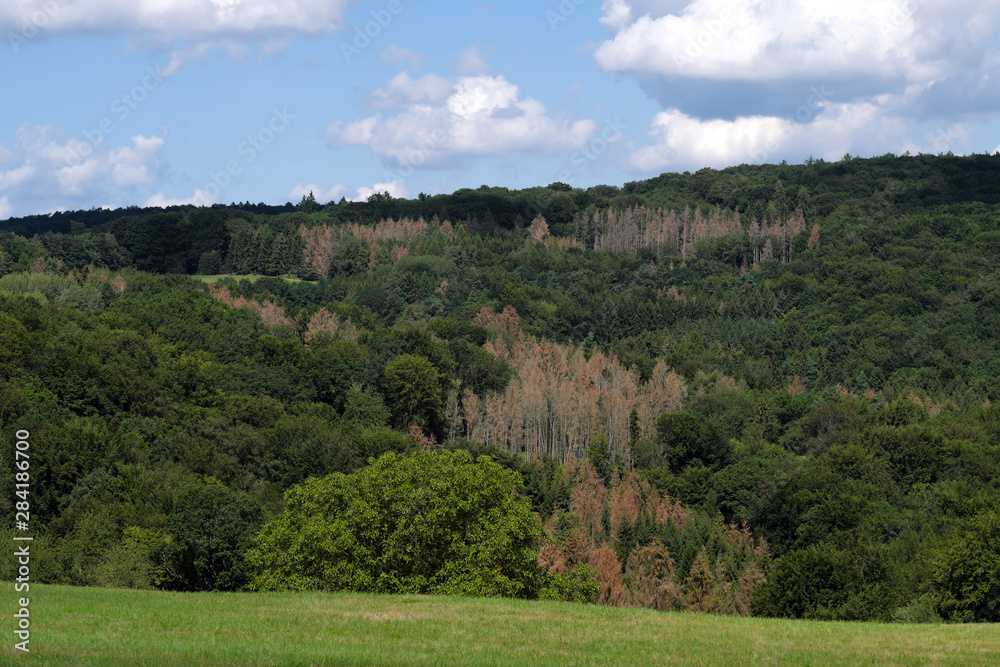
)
(766, 390)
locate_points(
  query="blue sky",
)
(119, 102)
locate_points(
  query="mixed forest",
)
(765, 390)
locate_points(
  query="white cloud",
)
(46, 171)
(403, 91)
(815, 40)
(394, 188)
(199, 198)
(333, 194)
(7, 157)
(483, 116)
(6, 210)
(176, 17)
(619, 13)
(136, 165)
(400, 57)
(471, 63)
(181, 57)
(733, 75)
(683, 142)
(322, 195)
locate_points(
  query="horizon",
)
(810, 161)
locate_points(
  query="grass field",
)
(116, 627)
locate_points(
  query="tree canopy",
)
(429, 522)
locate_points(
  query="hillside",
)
(767, 389)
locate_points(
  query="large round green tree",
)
(429, 522)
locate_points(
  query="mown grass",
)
(116, 627)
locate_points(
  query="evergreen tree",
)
(307, 203)
(280, 256)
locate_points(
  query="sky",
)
(112, 103)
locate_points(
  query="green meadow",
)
(93, 626)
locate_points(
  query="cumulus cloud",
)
(402, 91)
(805, 39)
(6, 210)
(334, 193)
(199, 198)
(680, 141)
(7, 157)
(731, 75)
(322, 195)
(482, 116)
(471, 63)
(176, 17)
(138, 164)
(394, 188)
(45, 171)
(619, 13)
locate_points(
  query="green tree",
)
(686, 437)
(414, 390)
(429, 522)
(308, 203)
(825, 583)
(14, 346)
(634, 429)
(211, 527)
(599, 454)
(578, 585)
(967, 571)
(365, 407)
(209, 263)
(280, 256)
